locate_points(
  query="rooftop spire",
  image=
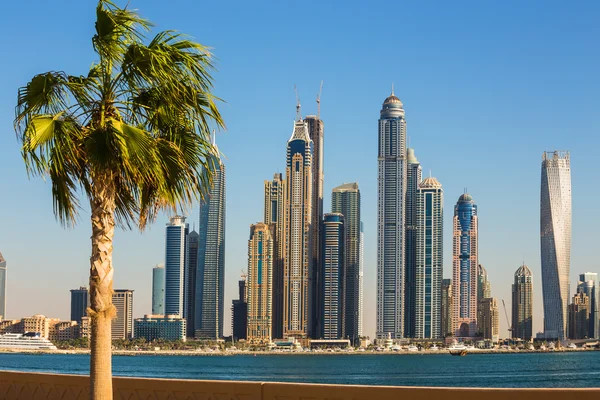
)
(298, 114)
(392, 88)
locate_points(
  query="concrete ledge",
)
(30, 386)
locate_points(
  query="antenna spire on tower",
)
(298, 114)
(392, 88)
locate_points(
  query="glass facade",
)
(332, 284)
(175, 245)
(260, 283)
(158, 290)
(210, 275)
(555, 237)
(2, 286)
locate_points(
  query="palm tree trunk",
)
(101, 289)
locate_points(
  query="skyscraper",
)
(345, 200)
(522, 304)
(484, 288)
(361, 269)
(298, 261)
(176, 233)
(122, 325)
(158, 290)
(579, 317)
(208, 321)
(555, 234)
(464, 268)
(239, 312)
(589, 284)
(429, 260)
(275, 215)
(447, 307)
(260, 282)
(332, 284)
(316, 135)
(487, 318)
(390, 219)
(2, 286)
(413, 179)
(190, 280)
(80, 299)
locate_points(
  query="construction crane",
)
(298, 115)
(506, 315)
(244, 275)
(319, 101)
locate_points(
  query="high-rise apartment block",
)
(158, 290)
(447, 307)
(555, 234)
(260, 282)
(428, 245)
(175, 256)
(361, 273)
(210, 286)
(298, 270)
(464, 268)
(122, 325)
(522, 304)
(333, 282)
(579, 317)
(274, 214)
(2, 286)
(588, 283)
(316, 134)
(484, 288)
(160, 327)
(413, 180)
(239, 312)
(487, 318)
(190, 280)
(345, 200)
(392, 182)
(80, 299)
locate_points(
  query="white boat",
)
(572, 346)
(434, 347)
(412, 347)
(28, 341)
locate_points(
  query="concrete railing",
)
(27, 386)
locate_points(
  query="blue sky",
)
(487, 87)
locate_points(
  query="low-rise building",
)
(38, 324)
(63, 330)
(9, 326)
(165, 327)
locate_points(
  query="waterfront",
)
(568, 370)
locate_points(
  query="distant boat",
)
(28, 341)
(458, 349)
(412, 347)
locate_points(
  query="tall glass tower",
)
(429, 259)
(275, 215)
(391, 193)
(316, 134)
(464, 268)
(260, 283)
(298, 261)
(191, 270)
(588, 283)
(555, 234)
(208, 321)
(413, 179)
(345, 200)
(333, 282)
(175, 245)
(158, 290)
(522, 304)
(2, 286)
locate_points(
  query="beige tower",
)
(464, 268)
(260, 283)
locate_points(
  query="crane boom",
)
(506, 315)
(319, 101)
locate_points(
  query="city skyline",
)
(431, 98)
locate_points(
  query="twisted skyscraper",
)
(392, 180)
(555, 234)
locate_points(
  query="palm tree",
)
(133, 136)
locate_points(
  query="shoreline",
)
(191, 353)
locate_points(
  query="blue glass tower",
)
(175, 245)
(158, 290)
(333, 282)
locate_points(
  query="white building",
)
(555, 234)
